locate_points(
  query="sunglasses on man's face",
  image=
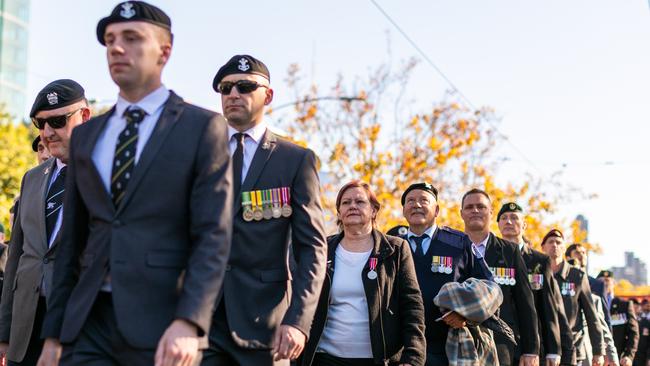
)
(243, 86)
(54, 122)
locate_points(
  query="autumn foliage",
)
(369, 134)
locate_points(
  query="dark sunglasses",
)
(243, 86)
(54, 122)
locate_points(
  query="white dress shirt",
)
(347, 333)
(104, 151)
(479, 248)
(252, 138)
(59, 218)
(426, 242)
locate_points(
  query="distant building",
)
(14, 36)
(634, 270)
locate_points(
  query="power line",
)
(455, 89)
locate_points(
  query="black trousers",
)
(224, 351)
(324, 359)
(100, 343)
(35, 345)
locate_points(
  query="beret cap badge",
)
(243, 64)
(127, 11)
(52, 98)
(513, 206)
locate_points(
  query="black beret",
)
(509, 207)
(399, 230)
(605, 274)
(35, 143)
(241, 64)
(424, 186)
(134, 11)
(57, 94)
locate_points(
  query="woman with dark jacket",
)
(370, 310)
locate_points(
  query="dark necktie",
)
(238, 161)
(54, 203)
(124, 160)
(419, 251)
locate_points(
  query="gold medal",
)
(246, 205)
(257, 205)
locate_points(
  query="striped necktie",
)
(54, 202)
(124, 160)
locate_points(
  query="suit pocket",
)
(274, 275)
(167, 259)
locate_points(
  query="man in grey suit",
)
(58, 108)
(147, 225)
(269, 296)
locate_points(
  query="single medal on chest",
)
(286, 202)
(267, 211)
(246, 203)
(372, 264)
(275, 197)
(258, 214)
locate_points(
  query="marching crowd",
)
(162, 233)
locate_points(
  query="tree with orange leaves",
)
(448, 145)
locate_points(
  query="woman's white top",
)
(347, 333)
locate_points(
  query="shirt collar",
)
(429, 232)
(483, 242)
(149, 103)
(59, 164)
(256, 132)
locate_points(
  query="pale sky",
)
(569, 79)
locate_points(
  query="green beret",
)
(509, 207)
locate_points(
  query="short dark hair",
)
(372, 197)
(474, 191)
(570, 249)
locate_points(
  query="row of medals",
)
(267, 212)
(568, 289)
(503, 280)
(442, 264)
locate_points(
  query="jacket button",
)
(228, 268)
(46, 260)
(117, 223)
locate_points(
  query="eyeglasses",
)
(243, 86)
(54, 122)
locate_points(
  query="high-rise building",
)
(14, 36)
(634, 270)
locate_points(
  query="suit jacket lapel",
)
(45, 183)
(492, 251)
(169, 116)
(264, 150)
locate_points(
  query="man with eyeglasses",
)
(440, 255)
(507, 264)
(58, 109)
(148, 214)
(269, 297)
